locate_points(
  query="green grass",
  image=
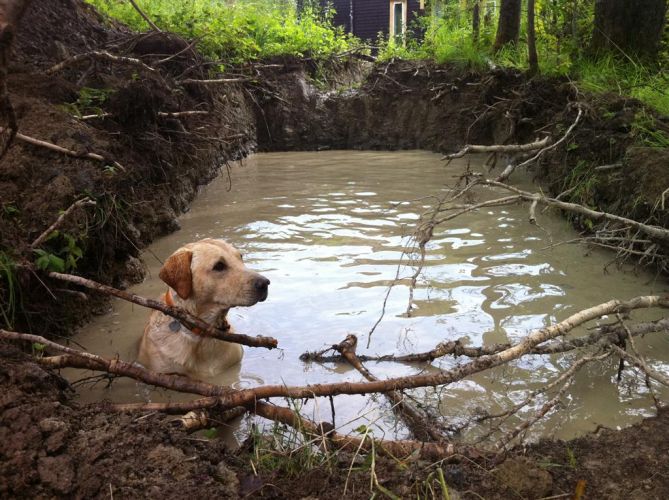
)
(240, 31)
(10, 298)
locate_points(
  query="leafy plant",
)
(89, 102)
(63, 259)
(240, 31)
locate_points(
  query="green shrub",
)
(241, 31)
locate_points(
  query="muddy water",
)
(329, 228)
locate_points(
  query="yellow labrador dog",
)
(206, 278)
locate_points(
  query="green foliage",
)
(9, 290)
(89, 102)
(645, 130)
(64, 258)
(563, 30)
(239, 31)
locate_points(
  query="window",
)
(398, 20)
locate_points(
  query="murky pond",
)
(329, 229)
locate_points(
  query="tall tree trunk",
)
(476, 20)
(532, 39)
(633, 27)
(508, 28)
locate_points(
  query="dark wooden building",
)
(367, 18)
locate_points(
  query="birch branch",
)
(498, 148)
(100, 55)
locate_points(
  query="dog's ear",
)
(176, 273)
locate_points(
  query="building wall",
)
(370, 17)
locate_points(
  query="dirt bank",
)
(155, 163)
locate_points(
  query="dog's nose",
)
(261, 283)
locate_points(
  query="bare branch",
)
(100, 55)
(498, 148)
(59, 221)
(65, 151)
(417, 423)
(182, 315)
(511, 167)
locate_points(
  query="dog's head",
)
(211, 274)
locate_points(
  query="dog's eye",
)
(220, 266)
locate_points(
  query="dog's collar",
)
(177, 324)
(170, 302)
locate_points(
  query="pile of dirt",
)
(53, 447)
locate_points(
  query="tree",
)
(631, 27)
(508, 27)
(532, 39)
(476, 20)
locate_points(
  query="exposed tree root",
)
(60, 149)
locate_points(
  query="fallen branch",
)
(605, 334)
(178, 114)
(61, 218)
(246, 396)
(394, 449)
(511, 167)
(100, 55)
(417, 423)
(192, 81)
(74, 358)
(182, 315)
(498, 148)
(65, 151)
(656, 232)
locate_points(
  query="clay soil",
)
(50, 446)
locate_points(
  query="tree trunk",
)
(476, 20)
(508, 28)
(532, 39)
(630, 27)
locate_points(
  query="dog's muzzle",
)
(261, 285)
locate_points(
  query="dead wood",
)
(59, 221)
(218, 81)
(99, 55)
(511, 167)
(422, 426)
(182, 315)
(197, 420)
(655, 232)
(65, 151)
(604, 335)
(498, 148)
(401, 449)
